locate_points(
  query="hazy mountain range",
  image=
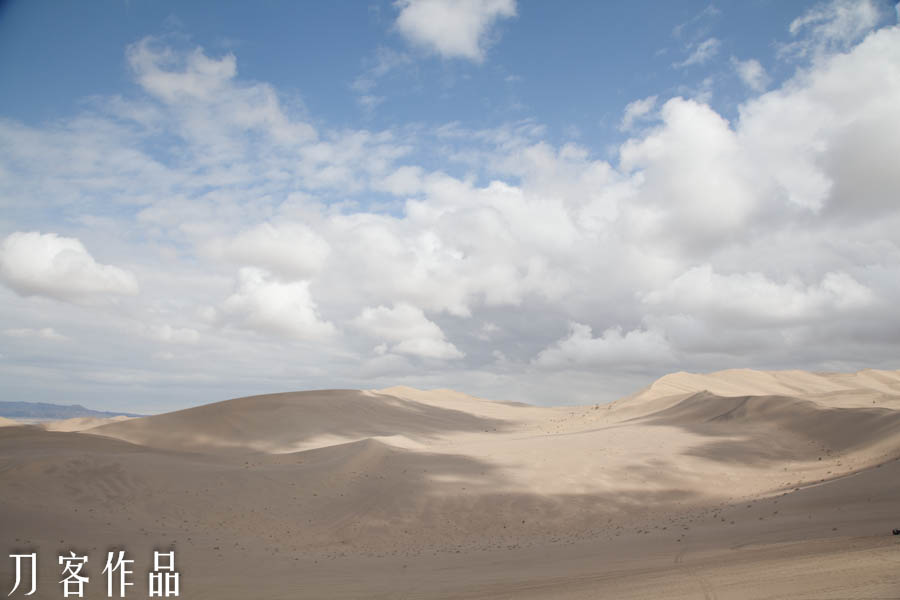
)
(46, 410)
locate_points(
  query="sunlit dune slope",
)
(843, 387)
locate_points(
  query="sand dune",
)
(843, 387)
(838, 428)
(81, 423)
(679, 491)
(294, 421)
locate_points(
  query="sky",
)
(552, 203)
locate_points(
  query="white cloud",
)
(752, 73)
(173, 335)
(44, 333)
(452, 28)
(405, 181)
(637, 110)
(292, 250)
(211, 105)
(456, 248)
(173, 76)
(807, 135)
(272, 307)
(708, 241)
(701, 53)
(408, 329)
(694, 185)
(753, 297)
(833, 25)
(581, 349)
(45, 264)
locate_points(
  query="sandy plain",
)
(736, 484)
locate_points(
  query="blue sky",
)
(571, 66)
(549, 202)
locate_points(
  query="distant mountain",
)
(45, 410)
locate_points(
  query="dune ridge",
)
(750, 382)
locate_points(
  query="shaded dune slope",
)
(782, 428)
(295, 420)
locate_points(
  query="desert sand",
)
(80, 423)
(736, 484)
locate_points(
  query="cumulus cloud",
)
(612, 348)
(173, 76)
(694, 185)
(292, 250)
(268, 306)
(457, 256)
(457, 248)
(45, 264)
(210, 104)
(803, 135)
(751, 73)
(753, 297)
(408, 329)
(405, 181)
(452, 28)
(637, 110)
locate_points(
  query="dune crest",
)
(863, 388)
(749, 382)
